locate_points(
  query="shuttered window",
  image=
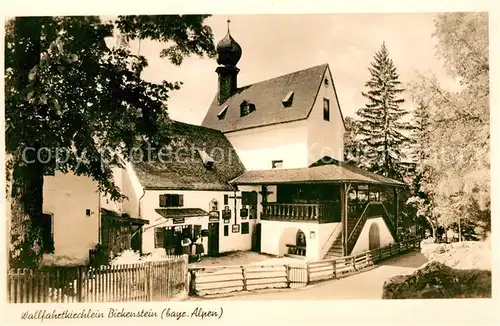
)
(171, 200)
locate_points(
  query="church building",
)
(264, 172)
(288, 131)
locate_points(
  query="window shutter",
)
(181, 200)
(163, 200)
(253, 198)
(244, 198)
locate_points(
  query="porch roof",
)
(115, 216)
(320, 172)
(181, 212)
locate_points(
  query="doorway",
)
(256, 237)
(213, 239)
(374, 237)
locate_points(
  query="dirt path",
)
(365, 285)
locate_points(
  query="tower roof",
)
(228, 50)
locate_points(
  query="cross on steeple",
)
(228, 22)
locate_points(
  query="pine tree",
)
(381, 126)
(419, 199)
(350, 140)
(420, 134)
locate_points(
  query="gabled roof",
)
(323, 171)
(268, 98)
(184, 169)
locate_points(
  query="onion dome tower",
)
(228, 55)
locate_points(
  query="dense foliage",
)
(76, 103)
(455, 165)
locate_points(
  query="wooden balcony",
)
(301, 212)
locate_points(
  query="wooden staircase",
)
(335, 250)
(355, 224)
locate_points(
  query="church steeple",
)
(228, 55)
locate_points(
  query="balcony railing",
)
(308, 212)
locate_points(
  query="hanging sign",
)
(213, 216)
(226, 213)
(178, 220)
(244, 213)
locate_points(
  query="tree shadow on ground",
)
(413, 259)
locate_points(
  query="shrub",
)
(100, 256)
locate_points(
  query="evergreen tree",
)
(419, 200)
(81, 104)
(351, 143)
(381, 126)
(420, 134)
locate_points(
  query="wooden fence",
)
(225, 279)
(220, 279)
(149, 281)
(344, 266)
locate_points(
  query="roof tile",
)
(267, 97)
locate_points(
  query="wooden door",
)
(256, 237)
(374, 237)
(213, 239)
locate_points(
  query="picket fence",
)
(147, 281)
(225, 279)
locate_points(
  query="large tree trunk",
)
(27, 175)
(26, 214)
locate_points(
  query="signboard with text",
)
(213, 216)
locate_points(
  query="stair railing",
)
(350, 232)
(388, 221)
(339, 225)
(361, 221)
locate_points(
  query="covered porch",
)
(121, 232)
(328, 192)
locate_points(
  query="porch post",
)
(343, 216)
(396, 210)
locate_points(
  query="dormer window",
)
(287, 101)
(246, 108)
(207, 160)
(222, 113)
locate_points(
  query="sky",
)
(274, 45)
